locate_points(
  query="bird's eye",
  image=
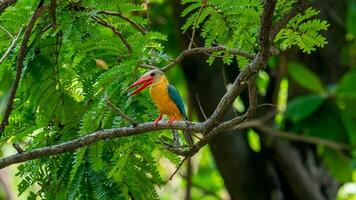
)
(152, 74)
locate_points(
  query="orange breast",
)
(163, 101)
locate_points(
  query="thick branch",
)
(6, 3)
(114, 30)
(20, 60)
(95, 137)
(204, 141)
(52, 11)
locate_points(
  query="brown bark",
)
(6, 3)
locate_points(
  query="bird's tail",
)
(188, 138)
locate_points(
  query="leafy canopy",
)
(63, 92)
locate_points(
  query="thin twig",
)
(113, 13)
(147, 2)
(146, 66)
(119, 112)
(7, 32)
(204, 2)
(114, 30)
(299, 7)
(20, 59)
(179, 166)
(203, 189)
(259, 125)
(188, 178)
(200, 107)
(11, 47)
(199, 50)
(134, 24)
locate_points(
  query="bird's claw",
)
(155, 123)
(170, 121)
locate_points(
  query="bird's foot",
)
(155, 123)
(170, 121)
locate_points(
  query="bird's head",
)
(146, 80)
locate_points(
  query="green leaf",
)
(254, 140)
(305, 77)
(302, 107)
(350, 124)
(326, 123)
(347, 86)
(339, 165)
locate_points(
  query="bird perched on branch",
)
(166, 97)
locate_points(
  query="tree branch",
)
(259, 125)
(114, 30)
(95, 137)
(20, 59)
(17, 147)
(112, 13)
(6, 3)
(52, 11)
(199, 50)
(252, 95)
(146, 66)
(11, 47)
(7, 32)
(133, 24)
(119, 112)
(204, 2)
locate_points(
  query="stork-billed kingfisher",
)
(166, 97)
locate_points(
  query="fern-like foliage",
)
(62, 94)
(303, 31)
(232, 23)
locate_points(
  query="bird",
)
(166, 97)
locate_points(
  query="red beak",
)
(145, 81)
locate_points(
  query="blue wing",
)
(177, 98)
